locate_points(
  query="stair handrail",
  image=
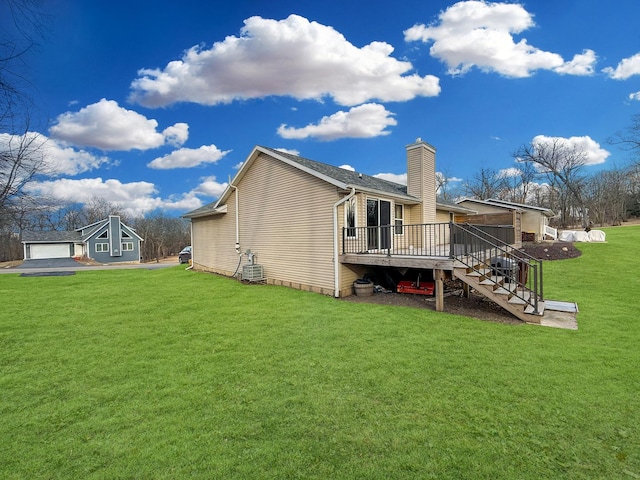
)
(520, 255)
(535, 293)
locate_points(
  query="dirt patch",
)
(476, 306)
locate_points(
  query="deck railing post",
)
(535, 290)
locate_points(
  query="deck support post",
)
(466, 290)
(438, 275)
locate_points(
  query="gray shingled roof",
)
(51, 236)
(348, 177)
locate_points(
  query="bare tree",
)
(562, 164)
(630, 138)
(518, 185)
(163, 236)
(98, 209)
(21, 160)
(488, 183)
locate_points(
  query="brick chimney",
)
(421, 177)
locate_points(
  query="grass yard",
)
(179, 374)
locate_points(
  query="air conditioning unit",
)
(253, 273)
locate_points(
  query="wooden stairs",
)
(506, 292)
(507, 276)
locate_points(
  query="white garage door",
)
(51, 250)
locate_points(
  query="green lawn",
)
(179, 374)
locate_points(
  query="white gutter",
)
(336, 263)
(237, 246)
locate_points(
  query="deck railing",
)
(423, 240)
(426, 240)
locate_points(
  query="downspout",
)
(336, 263)
(237, 246)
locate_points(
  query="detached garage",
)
(50, 244)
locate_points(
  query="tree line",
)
(551, 173)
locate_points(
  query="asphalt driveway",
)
(50, 263)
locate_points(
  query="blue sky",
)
(153, 105)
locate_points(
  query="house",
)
(288, 212)
(106, 241)
(531, 223)
(291, 221)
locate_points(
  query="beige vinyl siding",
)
(214, 242)
(421, 179)
(286, 219)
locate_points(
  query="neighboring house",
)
(290, 211)
(532, 222)
(106, 241)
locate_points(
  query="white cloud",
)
(291, 57)
(108, 126)
(177, 134)
(594, 154)
(347, 167)
(188, 157)
(582, 64)
(210, 187)
(480, 34)
(625, 69)
(393, 177)
(290, 151)
(136, 198)
(634, 96)
(57, 159)
(509, 172)
(365, 121)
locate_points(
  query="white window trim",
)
(127, 246)
(395, 219)
(355, 217)
(104, 247)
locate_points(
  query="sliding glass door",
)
(378, 224)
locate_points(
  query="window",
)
(399, 219)
(104, 234)
(125, 235)
(350, 217)
(127, 246)
(102, 247)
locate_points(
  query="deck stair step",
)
(478, 272)
(492, 280)
(530, 310)
(506, 288)
(520, 297)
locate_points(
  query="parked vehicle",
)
(185, 255)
